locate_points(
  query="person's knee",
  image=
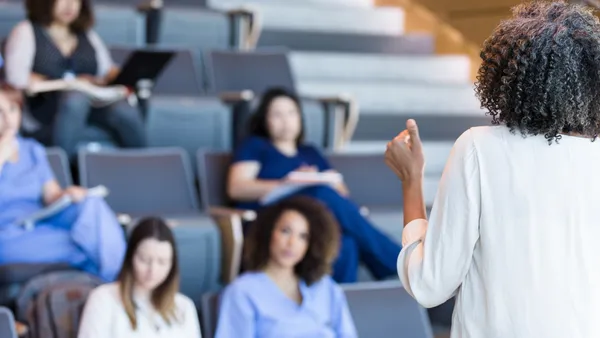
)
(129, 123)
(324, 192)
(73, 103)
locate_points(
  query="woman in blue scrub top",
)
(85, 234)
(275, 149)
(286, 291)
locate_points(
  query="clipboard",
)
(143, 64)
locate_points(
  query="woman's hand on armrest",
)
(243, 184)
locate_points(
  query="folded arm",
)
(243, 184)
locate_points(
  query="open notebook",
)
(29, 222)
(99, 96)
(298, 180)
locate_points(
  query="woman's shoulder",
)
(246, 283)
(23, 26)
(184, 302)
(325, 283)
(106, 294)
(256, 141)
(22, 30)
(31, 145)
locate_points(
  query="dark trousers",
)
(74, 114)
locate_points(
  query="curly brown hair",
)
(541, 71)
(41, 12)
(323, 243)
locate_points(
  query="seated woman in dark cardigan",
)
(57, 43)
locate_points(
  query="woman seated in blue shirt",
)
(85, 234)
(262, 163)
(286, 291)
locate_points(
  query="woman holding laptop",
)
(56, 47)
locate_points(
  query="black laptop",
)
(143, 64)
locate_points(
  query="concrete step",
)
(303, 16)
(316, 3)
(378, 97)
(318, 66)
(411, 44)
(436, 152)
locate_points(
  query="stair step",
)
(393, 98)
(413, 44)
(365, 67)
(438, 127)
(436, 152)
(334, 19)
(315, 3)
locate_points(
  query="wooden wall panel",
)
(478, 28)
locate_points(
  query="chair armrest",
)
(230, 222)
(348, 107)
(247, 27)
(240, 11)
(234, 97)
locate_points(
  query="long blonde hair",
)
(163, 297)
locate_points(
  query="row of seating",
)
(160, 181)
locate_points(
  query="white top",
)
(104, 316)
(515, 230)
(20, 53)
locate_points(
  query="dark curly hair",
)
(323, 243)
(258, 122)
(541, 71)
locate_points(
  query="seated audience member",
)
(144, 302)
(286, 291)
(57, 43)
(262, 163)
(86, 234)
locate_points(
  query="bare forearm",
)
(414, 204)
(252, 190)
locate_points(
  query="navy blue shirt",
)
(275, 165)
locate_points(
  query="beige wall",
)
(475, 19)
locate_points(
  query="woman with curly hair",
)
(289, 252)
(515, 226)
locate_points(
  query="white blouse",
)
(104, 317)
(514, 233)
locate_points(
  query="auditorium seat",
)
(7, 324)
(209, 313)
(60, 166)
(180, 113)
(196, 29)
(11, 13)
(159, 182)
(327, 118)
(413, 44)
(212, 175)
(119, 24)
(386, 310)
